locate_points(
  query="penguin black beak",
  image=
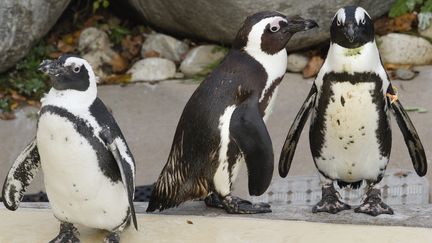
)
(350, 33)
(50, 67)
(297, 24)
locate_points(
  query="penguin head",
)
(352, 27)
(69, 72)
(269, 31)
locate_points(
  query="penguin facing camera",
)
(223, 123)
(349, 102)
(89, 171)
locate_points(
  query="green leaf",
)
(105, 4)
(96, 6)
(427, 7)
(399, 8)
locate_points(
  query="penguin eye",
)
(76, 69)
(274, 28)
(338, 22)
(363, 21)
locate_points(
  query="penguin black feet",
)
(373, 204)
(236, 205)
(112, 237)
(330, 202)
(68, 234)
(213, 201)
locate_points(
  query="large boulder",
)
(22, 22)
(219, 20)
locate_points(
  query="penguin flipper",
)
(126, 165)
(20, 176)
(294, 133)
(412, 139)
(249, 132)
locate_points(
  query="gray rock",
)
(93, 39)
(201, 59)
(297, 62)
(98, 58)
(405, 49)
(427, 33)
(220, 20)
(405, 74)
(167, 46)
(152, 69)
(22, 23)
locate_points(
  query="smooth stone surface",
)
(297, 62)
(199, 59)
(167, 46)
(93, 39)
(427, 33)
(152, 69)
(195, 223)
(22, 23)
(219, 21)
(405, 49)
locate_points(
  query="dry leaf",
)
(7, 116)
(402, 23)
(55, 54)
(118, 78)
(132, 44)
(313, 67)
(189, 221)
(119, 64)
(17, 96)
(64, 48)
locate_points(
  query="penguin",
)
(350, 104)
(89, 171)
(223, 123)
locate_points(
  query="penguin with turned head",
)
(222, 124)
(350, 101)
(89, 171)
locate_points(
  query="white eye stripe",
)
(274, 28)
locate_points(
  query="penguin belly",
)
(77, 189)
(351, 150)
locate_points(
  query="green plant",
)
(98, 3)
(24, 78)
(424, 7)
(401, 7)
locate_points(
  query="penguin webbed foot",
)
(112, 237)
(330, 202)
(68, 234)
(236, 205)
(213, 201)
(373, 204)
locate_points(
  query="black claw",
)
(373, 204)
(68, 234)
(236, 205)
(330, 202)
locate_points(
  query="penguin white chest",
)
(350, 150)
(77, 189)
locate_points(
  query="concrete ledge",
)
(194, 223)
(409, 216)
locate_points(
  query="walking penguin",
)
(89, 171)
(349, 102)
(222, 124)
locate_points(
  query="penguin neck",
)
(274, 65)
(72, 100)
(363, 59)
